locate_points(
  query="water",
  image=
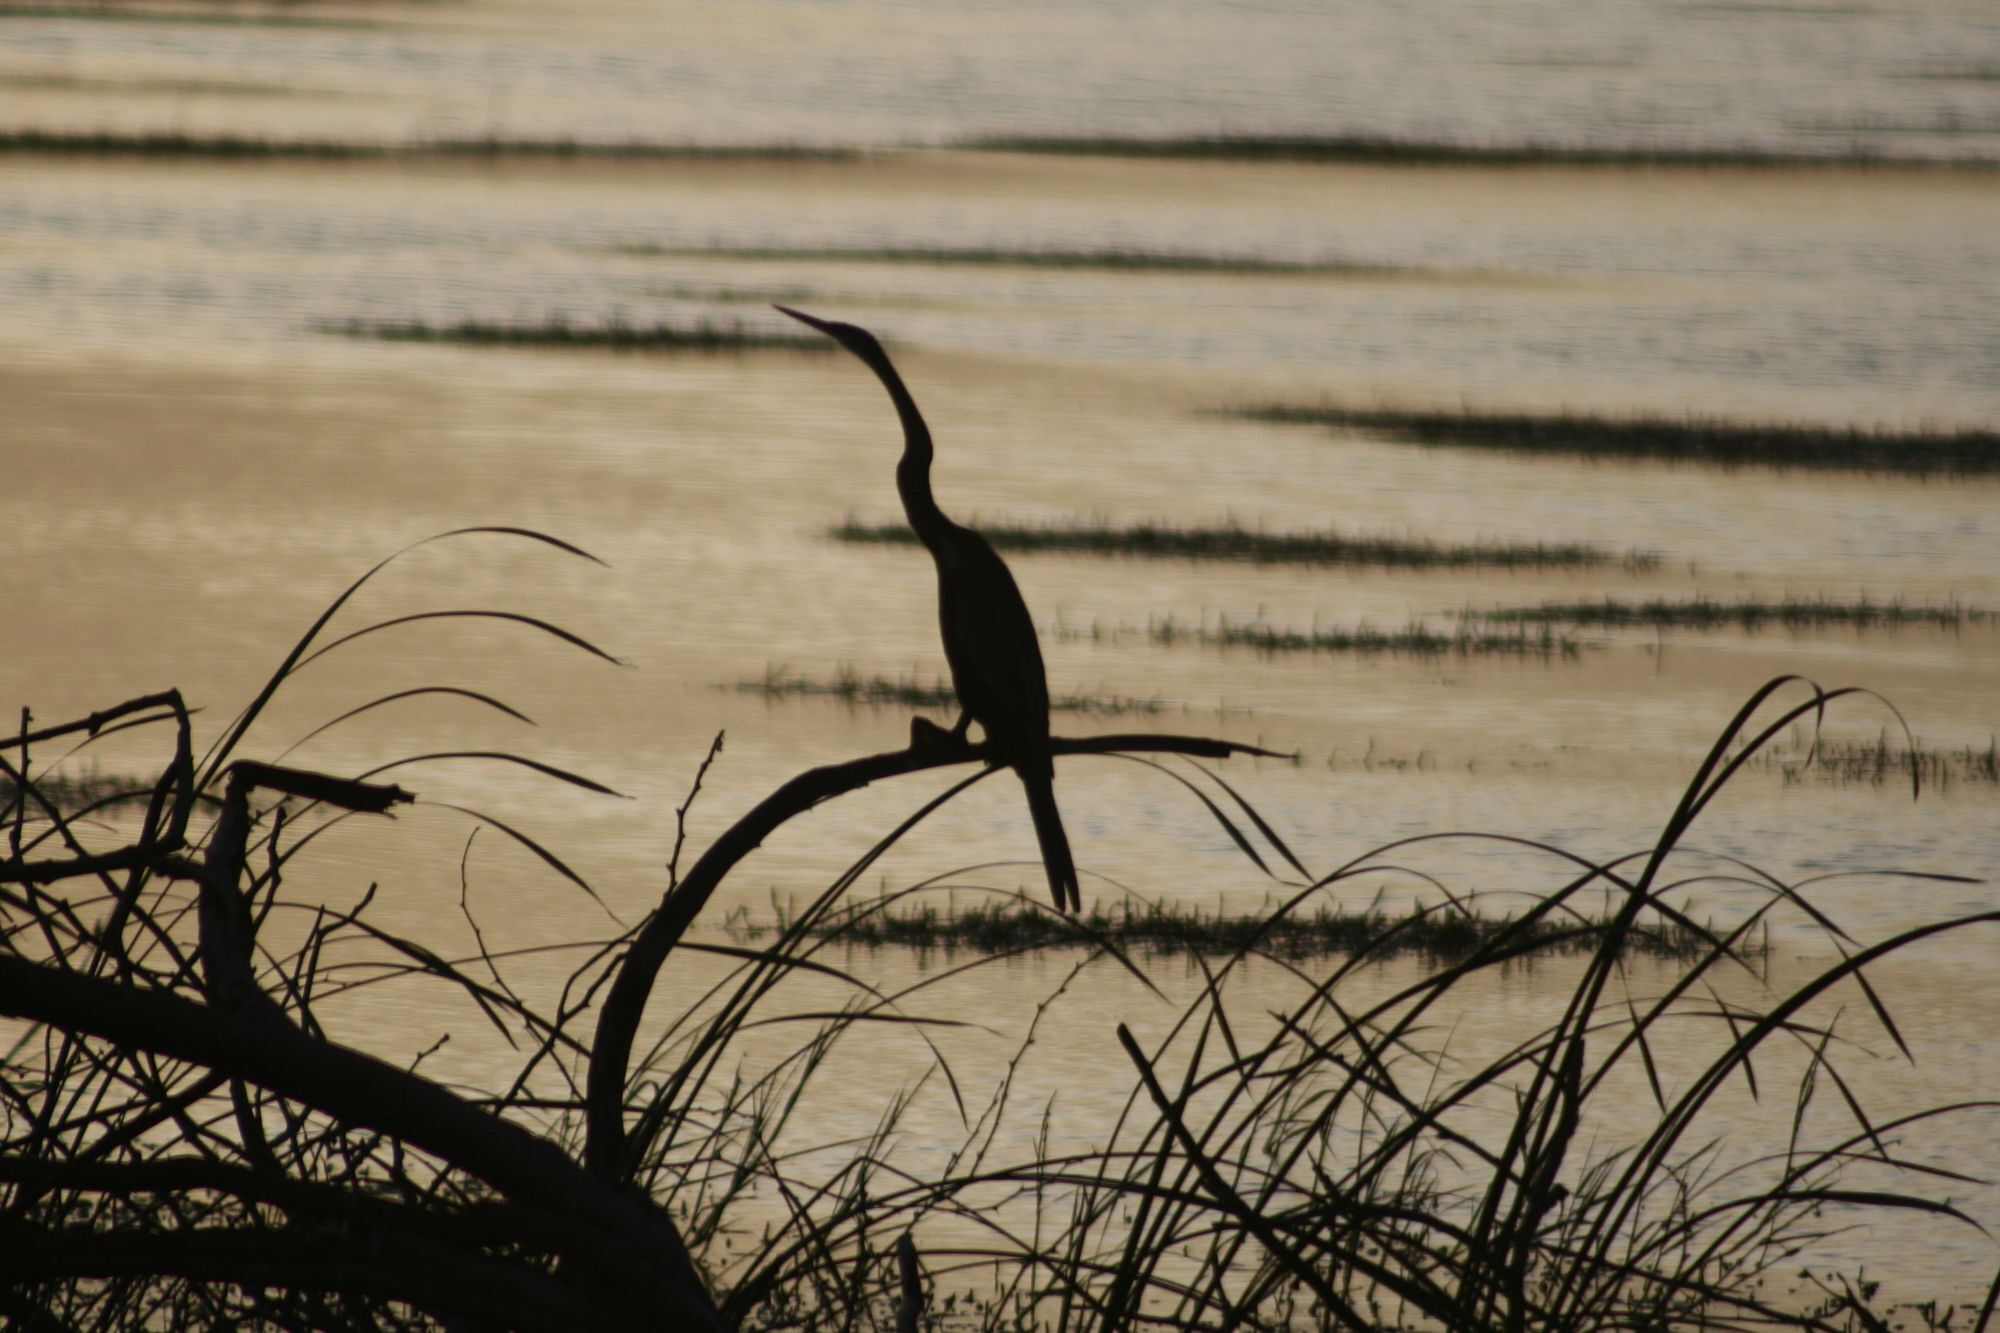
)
(192, 468)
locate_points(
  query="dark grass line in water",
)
(1416, 639)
(1115, 260)
(702, 336)
(173, 143)
(1705, 613)
(1689, 439)
(1882, 762)
(1384, 150)
(1006, 926)
(858, 691)
(1157, 541)
(69, 792)
(222, 18)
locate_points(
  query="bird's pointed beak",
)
(803, 318)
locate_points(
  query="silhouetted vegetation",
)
(1231, 541)
(184, 1142)
(1675, 439)
(614, 334)
(1114, 260)
(1384, 150)
(857, 691)
(177, 143)
(1706, 613)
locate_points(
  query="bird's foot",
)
(927, 737)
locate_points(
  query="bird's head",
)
(851, 336)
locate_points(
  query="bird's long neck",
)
(913, 472)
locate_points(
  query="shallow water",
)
(192, 469)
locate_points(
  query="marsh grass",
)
(177, 143)
(1231, 541)
(184, 1142)
(1415, 639)
(1373, 150)
(1009, 925)
(1885, 760)
(1706, 613)
(1782, 445)
(1122, 260)
(615, 334)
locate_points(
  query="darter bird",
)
(989, 638)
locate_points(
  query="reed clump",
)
(1781, 445)
(1233, 542)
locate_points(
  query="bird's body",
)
(989, 637)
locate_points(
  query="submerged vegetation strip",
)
(1389, 150)
(1882, 762)
(1691, 439)
(176, 143)
(1231, 541)
(1704, 613)
(1130, 260)
(1165, 928)
(1416, 639)
(856, 690)
(616, 334)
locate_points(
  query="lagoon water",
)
(193, 466)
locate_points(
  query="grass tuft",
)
(1231, 541)
(1676, 439)
(616, 334)
(858, 691)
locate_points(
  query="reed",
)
(1231, 541)
(1781, 445)
(615, 334)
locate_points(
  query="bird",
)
(989, 637)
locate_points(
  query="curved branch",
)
(630, 1248)
(618, 1021)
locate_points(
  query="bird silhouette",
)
(989, 638)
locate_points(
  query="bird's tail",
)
(1055, 843)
